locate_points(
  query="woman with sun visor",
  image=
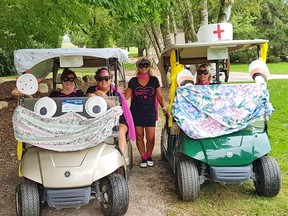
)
(145, 92)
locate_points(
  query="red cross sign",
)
(215, 32)
(218, 32)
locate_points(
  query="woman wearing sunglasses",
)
(106, 88)
(145, 93)
(68, 78)
(203, 75)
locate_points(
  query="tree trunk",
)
(164, 26)
(174, 25)
(167, 42)
(203, 13)
(140, 52)
(153, 41)
(225, 11)
(156, 32)
(186, 7)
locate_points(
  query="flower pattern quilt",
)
(213, 110)
(68, 132)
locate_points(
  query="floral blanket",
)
(68, 132)
(214, 110)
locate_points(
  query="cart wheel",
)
(163, 140)
(188, 180)
(268, 176)
(27, 199)
(116, 195)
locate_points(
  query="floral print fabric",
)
(215, 110)
(68, 132)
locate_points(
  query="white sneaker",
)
(143, 163)
(150, 162)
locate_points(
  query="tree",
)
(36, 24)
(225, 10)
(140, 23)
(97, 31)
(273, 25)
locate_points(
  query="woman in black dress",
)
(145, 93)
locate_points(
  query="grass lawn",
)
(217, 199)
(275, 68)
(133, 52)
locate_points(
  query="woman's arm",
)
(161, 99)
(127, 93)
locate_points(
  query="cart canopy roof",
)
(197, 52)
(40, 61)
(199, 49)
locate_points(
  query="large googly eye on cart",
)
(27, 84)
(259, 71)
(95, 105)
(45, 107)
(184, 77)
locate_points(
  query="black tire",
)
(188, 180)
(268, 176)
(27, 199)
(116, 195)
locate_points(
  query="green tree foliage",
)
(97, 31)
(123, 23)
(273, 25)
(36, 24)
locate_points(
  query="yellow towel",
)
(176, 67)
(263, 51)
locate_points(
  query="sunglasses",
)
(146, 65)
(101, 78)
(66, 79)
(205, 72)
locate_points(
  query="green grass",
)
(133, 55)
(275, 68)
(129, 66)
(216, 199)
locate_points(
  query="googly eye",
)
(45, 107)
(184, 77)
(95, 105)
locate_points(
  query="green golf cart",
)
(218, 132)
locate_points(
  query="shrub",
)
(6, 64)
(273, 59)
(243, 57)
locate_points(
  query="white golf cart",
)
(68, 147)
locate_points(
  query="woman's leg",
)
(122, 137)
(150, 137)
(140, 141)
